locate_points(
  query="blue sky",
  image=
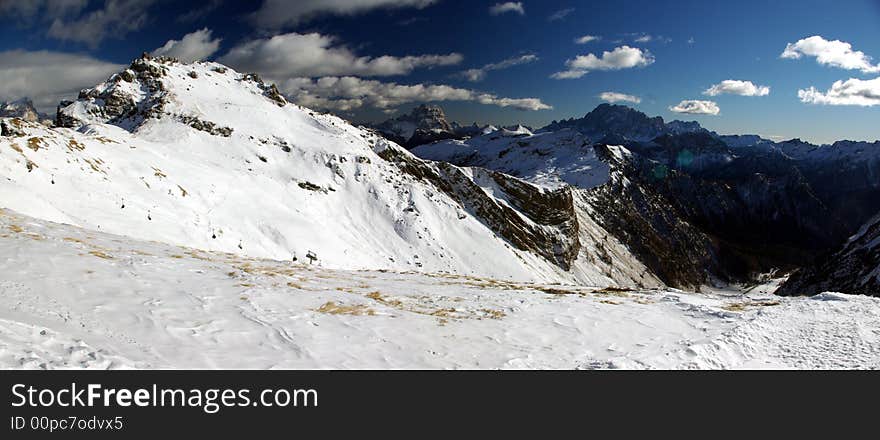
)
(395, 54)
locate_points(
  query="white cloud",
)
(116, 18)
(348, 93)
(643, 39)
(275, 14)
(475, 75)
(48, 77)
(313, 55)
(623, 57)
(194, 46)
(501, 8)
(560, 14)
(619, 97)
(737, 87)
(830, 53)
(853, 91)
(694, 107)
(586, 39)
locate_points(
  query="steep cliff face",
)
(853, 269)
(651, 225)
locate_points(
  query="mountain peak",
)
(617, 120)
(163, 87)
(425, 123)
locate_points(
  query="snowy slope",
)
(74, 298)
(550, 159)
(202, 156)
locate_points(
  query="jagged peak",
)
(143, 90)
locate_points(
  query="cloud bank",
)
(349, 93)
(854, 91)
(48, 77)
(313, 55)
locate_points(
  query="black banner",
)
(81, 404)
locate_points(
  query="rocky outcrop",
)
(125, 99)
(206, 126)
(269, 90)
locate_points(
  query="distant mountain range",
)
(428, 123)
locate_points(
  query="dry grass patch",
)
(333, 308)
(745, 305)
(100, 254)
(555, 291)
(494, 314)
(378, 297)
(35, 143)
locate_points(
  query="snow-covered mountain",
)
(624, 122)
(23, 109)
(854, 269)
(202, 156)
(550, 159)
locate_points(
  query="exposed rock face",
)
(206, 126)
(653, 228)
(854, 269)
(425, 124)
(11, 127)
